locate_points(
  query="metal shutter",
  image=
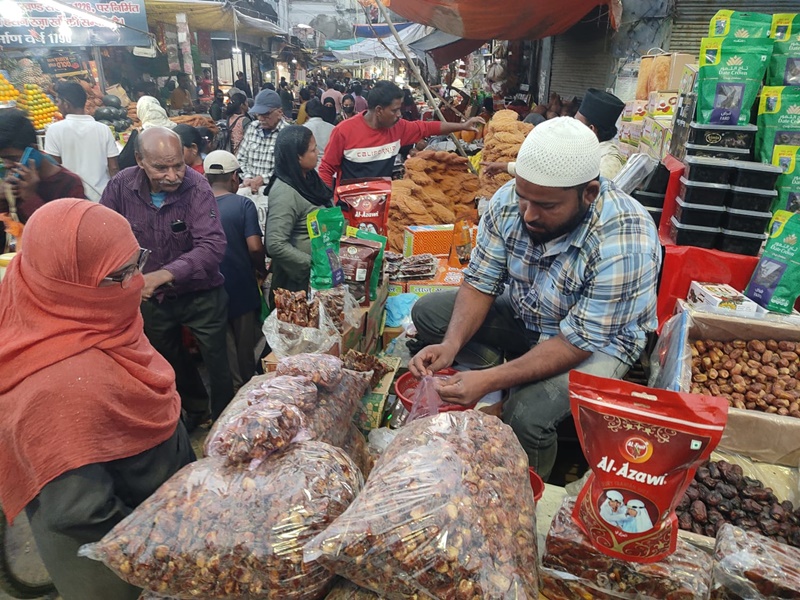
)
(581, 60)
(693, 16)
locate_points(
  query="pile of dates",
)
(756, 375)
(720, 493)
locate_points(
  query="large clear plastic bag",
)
(574, 568)
(356, 447)
(288, 339)
(347, 590)
(217, 531)
(323, 369)
(749, 565)
(330, 419)
(447, 512)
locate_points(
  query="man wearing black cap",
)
(599, 111)
(257, 151)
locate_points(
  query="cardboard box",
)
(688, 84)
(433, 239)
(653, 135)
(661, 104)
(627, 150)
(720, 296)
(634, 110)
(373, 402)
(667, 71)
(389, 334)
(764, 437)
(373, 320)
(397, 287)
(667, 142)
(446, 278)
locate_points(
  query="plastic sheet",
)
(447, 512)
(426, 401)
(635, 171)
(215, 531)
(748, 565)
(576, 569)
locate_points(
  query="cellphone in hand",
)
(30, 153)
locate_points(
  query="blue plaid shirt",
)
(596, 285)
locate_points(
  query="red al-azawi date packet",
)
(643, 446)
(365, 203)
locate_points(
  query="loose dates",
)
(755, 375)
(721, 494)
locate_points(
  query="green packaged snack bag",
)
(784, 66)
(788, 186)
(775, 284)
(745, 25)
(778, 120)
(729, 77)
(325, 228)
(377, 270)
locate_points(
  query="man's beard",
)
(547, 235)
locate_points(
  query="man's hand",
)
(431, 359)
(464, 388)
(493, 168)
(254, 184)
(28, 180)
(153, 281)
(474, 124)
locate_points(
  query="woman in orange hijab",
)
(90, 416)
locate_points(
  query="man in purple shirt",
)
(173, 213)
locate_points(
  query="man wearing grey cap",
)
(563, 277)
(257, 151)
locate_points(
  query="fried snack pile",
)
(502, 140)
(438, 189)
(196, 121)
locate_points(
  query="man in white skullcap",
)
(612, 510)
(563, 277)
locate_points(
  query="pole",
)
(98, 61)
(414, 69)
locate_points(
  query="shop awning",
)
(374, 48)
(380, 30)
(444, 48)
(341, 45)
(210, 16)
(509, 20)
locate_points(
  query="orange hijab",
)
(79, 381)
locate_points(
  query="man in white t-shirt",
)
(81, 144)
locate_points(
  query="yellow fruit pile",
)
(7, 91)
(39, 107)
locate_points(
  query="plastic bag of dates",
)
(256, 432)
(447, 513)
(752, 567)
(643, 446)
(356, 448)
(311, 330)
(576, 569)
(347, 590)
(330, 419)
(323, 369)
(218, 531)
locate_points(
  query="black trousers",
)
(205, 314)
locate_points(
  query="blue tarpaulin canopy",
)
(378, 29)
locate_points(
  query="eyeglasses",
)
(123, 276)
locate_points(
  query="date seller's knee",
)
(431, 315)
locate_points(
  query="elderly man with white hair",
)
(563, 277)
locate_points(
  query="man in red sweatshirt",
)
(367, 144)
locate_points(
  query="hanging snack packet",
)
(778, 120)
(325, 228)
(365, 203)
(643, 446)
(358, 261)
(377, 272)
(788, 185)
(740, 24)
(775, 284)
(784, 67)
(461, 250)
(729, 77)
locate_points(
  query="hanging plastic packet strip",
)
(643, 446)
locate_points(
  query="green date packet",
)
(775, 284)
(784, 66)
(778, 120)
(325, 228)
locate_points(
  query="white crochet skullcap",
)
(561, 152)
